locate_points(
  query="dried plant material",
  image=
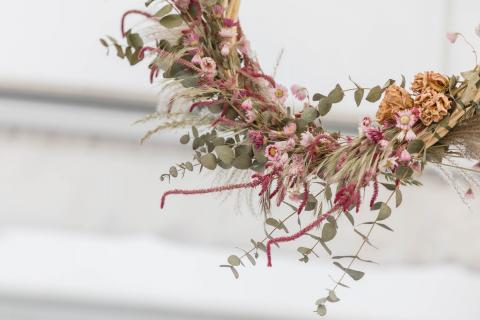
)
(429, 80)
(433, 106)
(396, 99)
(242, 122)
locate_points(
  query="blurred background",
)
(81, 232)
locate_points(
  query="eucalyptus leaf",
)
(354, 274)
(336, 95)
(173, 171)
(358, 95)
(328, 232)
(171, 21)
(234, 260)
(242, 162)
(415, 146)
(324, 106)
(374, 94)
(185, 139)
(209, 161)
(398, 198)
(165, 10)
(321, 310)
(225, 154)
(384, 213)
(309, 114)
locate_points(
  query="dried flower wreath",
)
(200, 48)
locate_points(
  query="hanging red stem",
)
(300, 233)
(375, 192)
(252, 184)
(305, 199)
(129, 12)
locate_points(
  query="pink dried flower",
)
(272, 153)
(217, 10)
(452, 36)
(197, 59)
(250, 116)
(286, 146)
(406, 119)
(299, 92)
(389, 164)
(256, 137)
(405, 156)
(477, 30)
(469, 194)
(366, 122)
(298, 167)
(247, 105)
(279, 94)
(229, 23)
(417, 167)
(190, 38)
(243, 45)
(227, 33)
(375, 135)
(383, 143)
(208, 66)
(307, 139)
(290, 129)
(225, 48)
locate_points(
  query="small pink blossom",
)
(247, 105)
(227, 33)
(299, 92)
(190, 38)
(406, 119)
(298, 167)
(250, 116)
(383, 143)
(197, 59)
(279, 94)
(389, 163)
(243, 45)
(208, 66)
(417, 167)
(375, 135)
(286, 146)
(256, 137)
(307, 139)
(477, 30)
(469, 195)
(229, 23)
(217, 10)
(405, 156)
(290, 129)
(452, 36)
(366, 122)
(225, 48)
(182, 4)
(272, 153)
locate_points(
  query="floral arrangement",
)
(239, 120)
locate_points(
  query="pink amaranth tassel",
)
(252, 184)
(375, 192)
(305, 199)
(297, 235)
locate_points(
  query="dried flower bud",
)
(433, 106)
(429, 80)
(396, 99)
(452, 36)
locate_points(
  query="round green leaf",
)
(171, 21)
(233, 260)
(225, 154)
(173, 172)
(209, 161)
(324, 106)
(309, 114)
(336, 95)
(185, 139)
(242, 162)
(384, 213)
(415, 146)
(328, 232)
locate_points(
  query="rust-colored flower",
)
(429, 80)
(433, 106)
(396, 99)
